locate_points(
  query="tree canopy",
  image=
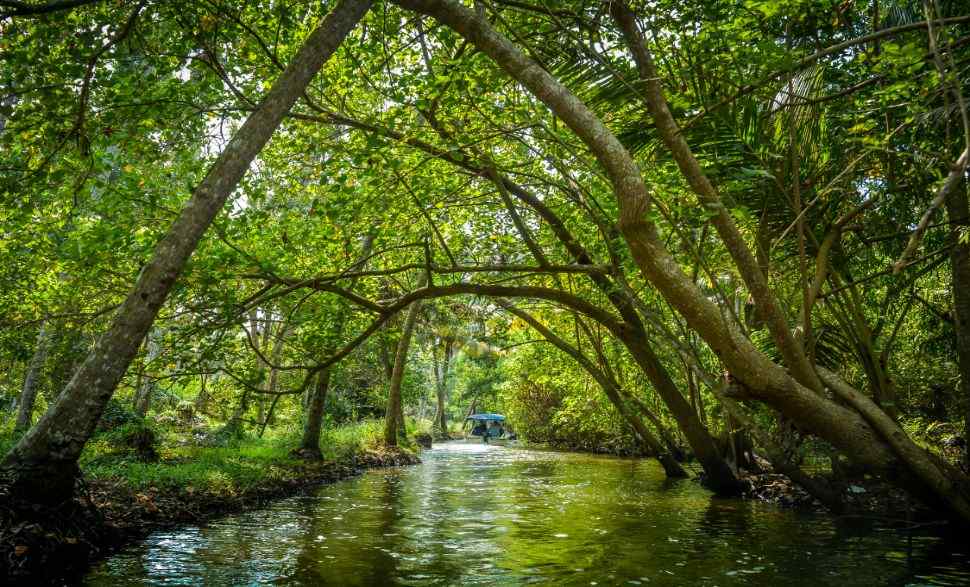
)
(645, 224)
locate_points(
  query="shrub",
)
(345, 442)
(117, 414)
(134, 440)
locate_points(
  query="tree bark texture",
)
(313, 420)
(28, 393)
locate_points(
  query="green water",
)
(486, 515)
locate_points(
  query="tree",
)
(864, 431)
(612, 390)
(43, 465)
(393, 420)
(25, 407)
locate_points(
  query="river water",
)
(486, 515)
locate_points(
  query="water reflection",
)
(485, 515)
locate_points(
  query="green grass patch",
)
(224, 470)
(343, 442)
(227, 469)
(218, 469)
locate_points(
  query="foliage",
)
(412, 158)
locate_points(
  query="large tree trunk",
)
(746, 262)
(43, 465)
(394, 418)
(313, 420)
(28, 394)
(873, 440)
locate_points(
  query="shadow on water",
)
(486, 515)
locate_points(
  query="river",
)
(486, 515)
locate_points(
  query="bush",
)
(117, 414)
(345, 442)
(134, 440)
(8, 437)
(423, 439)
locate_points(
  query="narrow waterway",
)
(486, 515)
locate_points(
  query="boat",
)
(491, 428)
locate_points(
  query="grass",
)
(343, 442)
(225, 470)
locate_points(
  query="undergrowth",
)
(225, 469)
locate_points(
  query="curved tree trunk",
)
(42, 467)
(874, 441)
(746, 262)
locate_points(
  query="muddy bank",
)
(863, 498)
(617, 449)
(50, 545)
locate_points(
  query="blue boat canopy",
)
(486, 417)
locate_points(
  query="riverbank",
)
(865, 496)
(120, 500)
